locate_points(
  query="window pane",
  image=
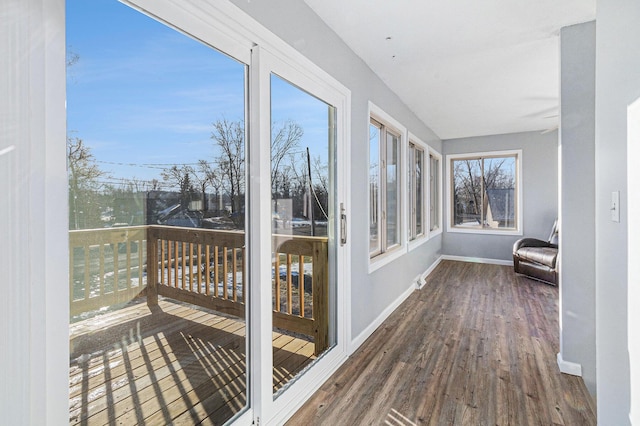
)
(418, 202)
(374, 188)
(416, 191)
(303, 202)
(155, 148)
(434, 191)
(500, 192)
(411, 190)
(392, 189)
(467, 192)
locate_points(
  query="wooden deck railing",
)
(106, 267)
(199, 266)
(203, 267)
(290, 313)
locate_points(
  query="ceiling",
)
(464, 67)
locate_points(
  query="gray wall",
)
(617, 86)
(539, 188)
(577, 203)
(298, 25)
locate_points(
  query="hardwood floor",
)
(476, 345)
(175, 364)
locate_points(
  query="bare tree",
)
(206, 175)
(180, 178)
(472, 181)
(228, 169)
(321, 172)
(154, 185)
(84, 185)
(284, 140)
(229, 138)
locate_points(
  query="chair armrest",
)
(529, 242)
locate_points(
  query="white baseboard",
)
(364, 335)
(477, 260)
(567, 367)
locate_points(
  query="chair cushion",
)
(541, 255)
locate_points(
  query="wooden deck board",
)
(477, 345)
(174, 364)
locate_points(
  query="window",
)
(416, 191)
(434, 192)
(384, 188)
(484, 192)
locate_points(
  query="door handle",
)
(343, 225)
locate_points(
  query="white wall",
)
(617, 86)
(539, 187)
(33, 215)
(577, 204)
(634, 253)
(298, 25)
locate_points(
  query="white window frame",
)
(385, 256)
(422, 237)
(519, 194)
(439, 207)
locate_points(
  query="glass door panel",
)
(303, 240)
(156, 161)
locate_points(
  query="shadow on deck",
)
(173, 363)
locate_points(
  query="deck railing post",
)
(321, 295)
(152, 267)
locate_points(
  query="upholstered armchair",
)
(536, 258)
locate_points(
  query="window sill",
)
(414, 244)
(435, 232)
(381, 260)
(484, 231)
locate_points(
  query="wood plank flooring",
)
(177, 364)
(476, 345)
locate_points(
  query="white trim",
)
(567, 367)
(195, 20)
(379, 115)
(245, 417)
(56, 217)
(424, 237)
(486, 231)
(477, 260)
(258, 211)
(367, 332)
(303, 388)
(437, 231)
(633, 252)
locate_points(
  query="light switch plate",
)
(615, 206)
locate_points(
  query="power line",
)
(160, 166)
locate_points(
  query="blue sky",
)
(142, 93)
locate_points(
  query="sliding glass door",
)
(205, 188)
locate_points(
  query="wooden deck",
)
(476, 346)
(176, 364)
